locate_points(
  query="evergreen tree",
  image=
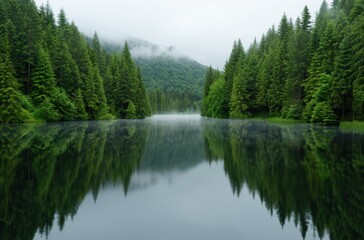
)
(216, 98)
(266, 75)
(240, 95)
(230, 72)
(100, 55)
(356, 18)
(209, 78)
(299, 54)
(44, 89)
(143, 104)
(11, 100)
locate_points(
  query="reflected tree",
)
(47, 170)
(301, 173)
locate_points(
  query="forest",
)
(304, 70)
(174, 82)
(50, 72)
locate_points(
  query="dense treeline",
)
(49, 72)
(301, 70)
(173, 83)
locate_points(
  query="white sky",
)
(202, 29)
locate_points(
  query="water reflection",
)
(301, 173)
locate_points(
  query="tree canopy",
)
(310, 70)
(50, 72)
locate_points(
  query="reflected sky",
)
(180, 177)
(196, 204)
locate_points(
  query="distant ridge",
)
(174, 81)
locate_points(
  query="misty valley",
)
(122, 138)
(180, 177)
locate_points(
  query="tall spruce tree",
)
(356, 18)
(44, 88)
(11, 100)
(230, 72)
(240, 95)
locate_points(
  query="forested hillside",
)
(301, 70)
(49, 72)
(173, 82)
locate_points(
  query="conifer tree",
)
(100, 55)
(240, 95)
(230, 72)
(299, 54)
(143, 108)
(44, 88)
(11, 99)
(356, 18)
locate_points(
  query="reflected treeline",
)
(173, 145)
(47, 170)
(301, 173)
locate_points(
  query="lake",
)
(180, 177)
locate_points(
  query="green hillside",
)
(174, 82)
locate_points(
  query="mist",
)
(201, 29)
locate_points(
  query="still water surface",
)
(180, 177)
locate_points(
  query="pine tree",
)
(80, 106)
(100, 55)
(356, 18)
(252, 69)
(209, 78)
(143, 107)
(11, 99)
(322, 111)
(266, 95)
(99, 87)
(131, 111)
(44, 83)
(230, 72)
(299, 54)
(240, 95)
(44, 89)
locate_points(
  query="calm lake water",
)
(180, 177)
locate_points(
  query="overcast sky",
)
(202, 29)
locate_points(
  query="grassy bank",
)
(352, 126)
(278, 120)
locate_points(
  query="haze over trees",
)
(301, 70)
(49, 72)
(174, 82)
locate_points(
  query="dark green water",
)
(180, 177)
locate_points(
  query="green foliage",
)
(131, 111)
(309, 71)
(352, 126)
(215, 99)
(46, 111)
(50, 71)
(239, 95)
(180, 80)
(323, 114)
(124, 85)
(12, 107)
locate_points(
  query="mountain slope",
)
(174, 82)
